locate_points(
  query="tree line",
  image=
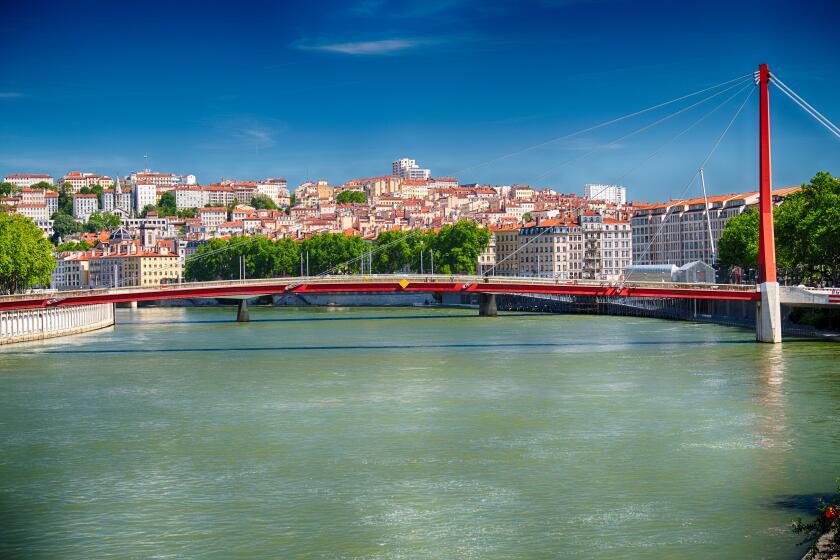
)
(807, 233)
(454, 249)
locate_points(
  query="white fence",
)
(36, 324)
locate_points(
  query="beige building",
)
(554, 248)
(506, 241)
(607, 246)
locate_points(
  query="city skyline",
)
(338, 93)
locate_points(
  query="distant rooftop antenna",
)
(146, 161)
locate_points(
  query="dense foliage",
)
(102, 221)
(807, 231)
(73, 246)
(351, 197)
(26, 257)
(263, 202)
(64, 225)
(455, 249)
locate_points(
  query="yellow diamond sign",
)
(403, 283)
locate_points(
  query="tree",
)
(219, 259)
(166, 205)
(146, 209)
(351, 197)
(738, 243)
(6, 188)
(457, 247)
(26, 257)
(398, 250)
(328, 252)
(73, 246)
(65, 203)
(64, 225)
(186, 213)
(807, 230)
(526, 217)
(102, 221)
(263, 202)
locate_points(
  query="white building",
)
(405, 168)
(161, 179)
(615, 194)
(677, 232)
(26, 180)
(84, 205)
(608, 246)
(190, 197)
(145, 194)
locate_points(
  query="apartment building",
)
(84, 205)
(552, 248)
(677, 232)
(26, 180)
(608, 247)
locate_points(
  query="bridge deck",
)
(382, 284)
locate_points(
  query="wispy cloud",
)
(364, 48)
(260, 136)
(10, 94)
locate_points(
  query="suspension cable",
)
(634, 132)
(693, 177)
(682, 133)
(819, 117)
(601, 125)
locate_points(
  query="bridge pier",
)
(487, 305)
(242, 315)
(768, 314)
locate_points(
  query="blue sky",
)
(337, 90)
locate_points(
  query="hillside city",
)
(140, 229)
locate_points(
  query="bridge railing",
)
(372, 278)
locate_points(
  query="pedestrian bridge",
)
(489, 285)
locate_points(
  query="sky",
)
(472, 89)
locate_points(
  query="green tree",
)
(526, 217)
(26, 257)
(64, 225)
(264, 258)
(166, 205)
(6, 188)
(807, 230)
(329, 252)
(102, 221)
(351, 197)
(457, 247)
(398, 250)
(187, 213)
(146, 209)
(263, 202)
(73, 246)
(65, 203)
(738, 243)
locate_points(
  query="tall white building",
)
(407, 169)
(84, 205)
(144, 195)
(608, 247)
(615, 194)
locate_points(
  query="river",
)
(412, 433)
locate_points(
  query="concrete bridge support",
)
(487, 305)
(242, 315)
(768, 314)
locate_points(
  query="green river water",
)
(412, 433)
